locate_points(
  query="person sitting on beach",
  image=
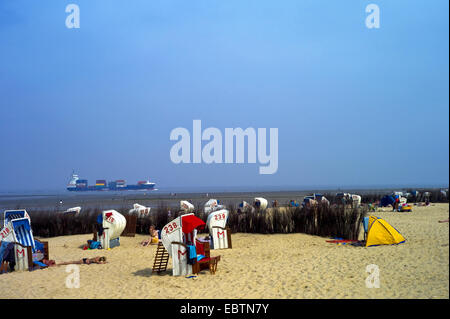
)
(396, 203)
(153, 237)
(86, 261)
(7, 256)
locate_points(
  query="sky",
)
(353, 106)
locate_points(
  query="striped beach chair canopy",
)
(22, 232)
(10, 215)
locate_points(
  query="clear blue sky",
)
(354, 106)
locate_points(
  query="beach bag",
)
(94, 244)
(39, 246)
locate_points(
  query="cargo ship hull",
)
(81, 185)
(94, 188)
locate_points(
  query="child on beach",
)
(153, 237)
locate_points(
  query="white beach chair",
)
(176, 236)
(75, 210)
(356, 200)
(186, 206)
(260, 203)
(220, 234)
(212, 205)
(113, 225)
(140, 210)
(245, 207)
(172, 238)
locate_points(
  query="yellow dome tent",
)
(381, 233)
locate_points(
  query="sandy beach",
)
(258, 266)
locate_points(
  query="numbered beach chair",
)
(245, 207)
(260, 203)
(28, 252)
(140, 210)
(186, 206)
(220, 234)
(356, 200)
(179, 238)
(212, 205)
(112, 224)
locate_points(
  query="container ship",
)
(81, 185)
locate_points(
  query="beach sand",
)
(258, 266)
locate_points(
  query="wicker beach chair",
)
(28, 251)
(179, 238)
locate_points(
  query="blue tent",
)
(387, 200)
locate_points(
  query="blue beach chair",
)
(10, 215)
(27, 250)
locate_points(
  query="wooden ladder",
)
(161, 259)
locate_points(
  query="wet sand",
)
(259, 266)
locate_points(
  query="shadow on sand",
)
(147, 272)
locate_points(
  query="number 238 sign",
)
(173, 226)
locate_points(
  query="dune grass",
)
(329, 221)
